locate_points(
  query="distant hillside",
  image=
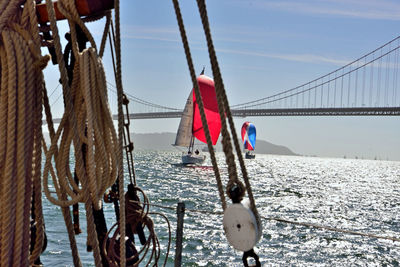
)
(264, 147)
(154, 141)
(164, 141)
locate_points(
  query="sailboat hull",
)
(249, 155)
(191, 124)
(193, 159)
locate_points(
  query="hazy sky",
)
(263, 47)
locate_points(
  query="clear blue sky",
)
(263, 47)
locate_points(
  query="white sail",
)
(184, 133)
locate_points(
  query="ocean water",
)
(357, 195)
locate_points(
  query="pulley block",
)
(240, 226)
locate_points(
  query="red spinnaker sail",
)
(208, 95)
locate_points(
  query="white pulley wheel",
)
(240, 227)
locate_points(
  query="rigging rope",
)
(118, 80)
(137, 214)
(219, 86)
(223, 107)
(200, 102)
(235, 188)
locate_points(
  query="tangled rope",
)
(137, 218)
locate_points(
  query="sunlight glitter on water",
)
(358, 195)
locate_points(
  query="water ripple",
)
(358, 195)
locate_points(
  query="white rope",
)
(87, 121)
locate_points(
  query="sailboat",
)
(191, 126)
(249, 139)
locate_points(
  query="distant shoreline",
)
(164, 141)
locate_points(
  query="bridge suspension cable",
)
(369, 81)
(366, 86)
(144, 103)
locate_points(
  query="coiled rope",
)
(86, 121)
(21, 90)
(137, 214)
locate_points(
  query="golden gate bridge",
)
(367, 86)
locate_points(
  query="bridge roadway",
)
(361, 111)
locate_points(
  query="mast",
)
(192, 137)
(191, 144)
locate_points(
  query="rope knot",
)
(41, 63)
(235, 191)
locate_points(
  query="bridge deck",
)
(379, 111)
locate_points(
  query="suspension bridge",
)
(367, 86)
